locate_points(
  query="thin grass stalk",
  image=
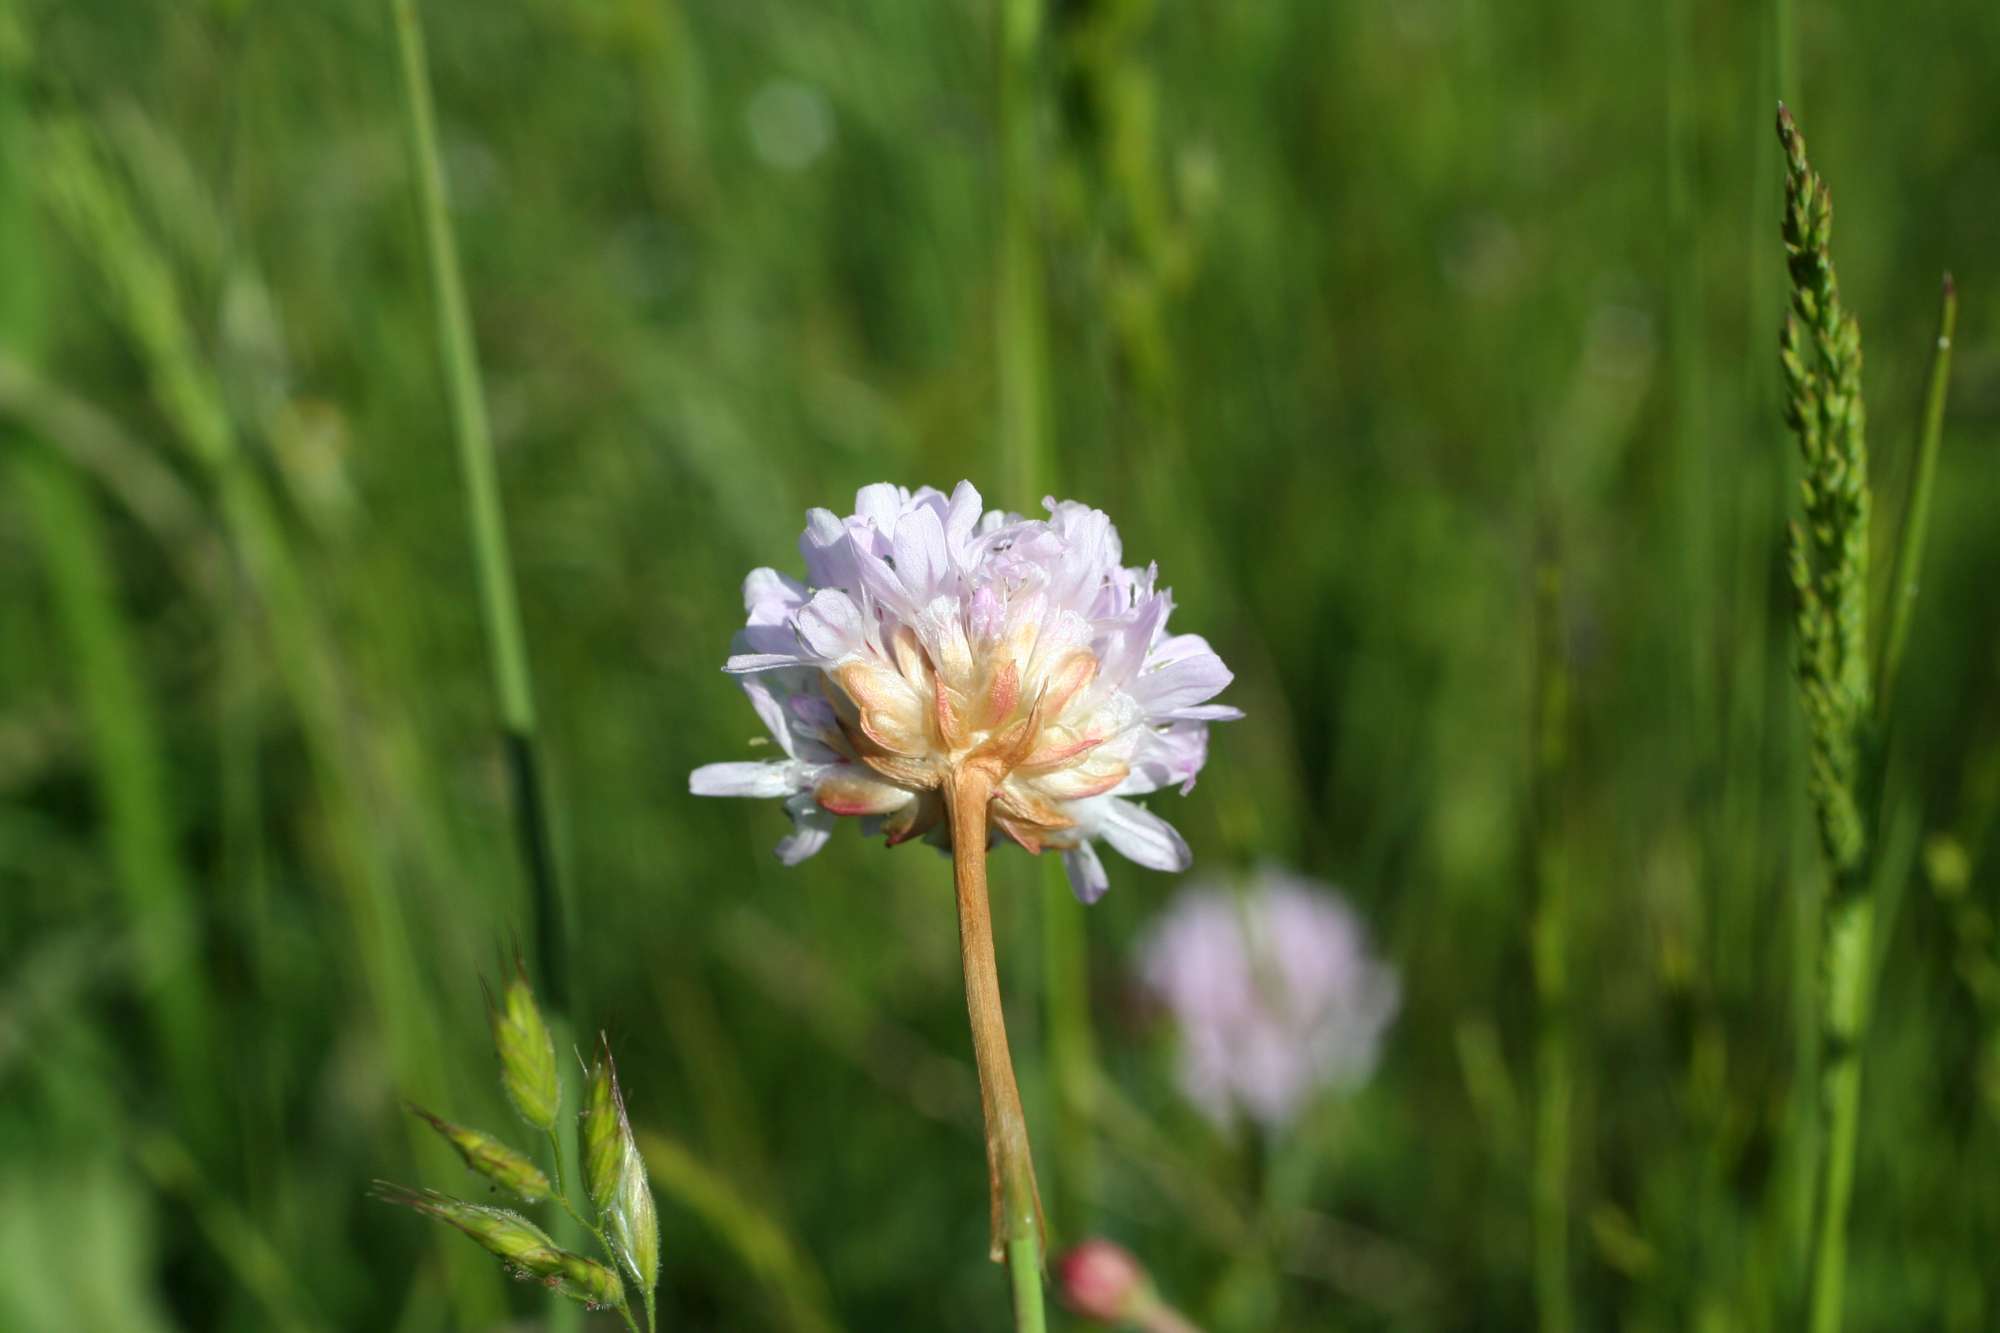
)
(1019, 316)
(506, 645)
(1015, 1202)
(1553, 1074)
(1904, 585)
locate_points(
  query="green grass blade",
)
(1917, 512)
(492, 560)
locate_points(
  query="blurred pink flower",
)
(929, 635)
(1275, 994)
(1100, 1280)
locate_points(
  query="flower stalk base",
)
(1010, 1169)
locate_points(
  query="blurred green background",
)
(1364, 319)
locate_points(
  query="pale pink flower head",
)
(930, 633)
(1274, 991)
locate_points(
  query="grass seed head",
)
(590, 1283)
(491, 1158)
(1819, 355)
(527, 1053)
(505, 1234)
(615, 1173)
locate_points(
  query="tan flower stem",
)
(1018, 1235)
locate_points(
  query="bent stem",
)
(1010, 1169)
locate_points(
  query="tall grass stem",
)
(506, 644)
(1019, 316)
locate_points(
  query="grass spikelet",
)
(504, 1233)
(1820, 355)
(527, 1251)
(491, 1158)
(615, 1174)
(527, 1053)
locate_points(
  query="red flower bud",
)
(1101, 1280)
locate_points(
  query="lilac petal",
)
(830, 625)
(1166, 759)
(1178, 647)
(876, 580)
(771, 712)
(811, 827)
(961, 518)
(1124, 654)
(1144, 838)
(880, 505)
(771, 597)
(1086, 873)
(752, 778)
(763, 648)
(922, 562)
(828, 555)
(1181, 684)
(987, 614)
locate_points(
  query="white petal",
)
(1143, 837)
(1207, 713)
(1086, 873)
(742, 664)
(754, 778)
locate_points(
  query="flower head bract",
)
(931, 636)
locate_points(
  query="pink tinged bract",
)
(930, 634)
